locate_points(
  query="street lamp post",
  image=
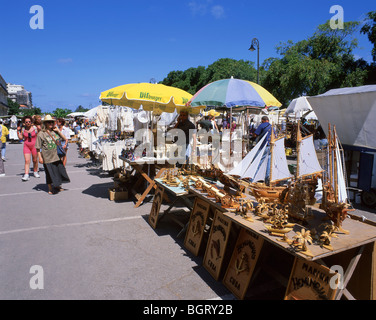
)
(256, 43)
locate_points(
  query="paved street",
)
(89, 247)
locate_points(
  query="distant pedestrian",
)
(214, 124)
(47, 154)
(4, 133)
(2, 169)
(37, 120)
(28, 133)
(65, 131)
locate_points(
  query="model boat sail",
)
(301, 191)
(335, 201)
(254, 167)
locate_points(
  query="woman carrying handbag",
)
(46, 145)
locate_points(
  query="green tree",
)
(193, 79)
(81, 109)
(369, 29)
(13, 107)
(309, 67)
(31, 112)
(61, 113)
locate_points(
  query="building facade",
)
(3, 97)
(17, 93)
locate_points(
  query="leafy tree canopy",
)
(13, 107)
(193, 79)
(310, 67)
(369, 28)
(61, 113)
(81, 109)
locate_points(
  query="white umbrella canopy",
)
(299, 107)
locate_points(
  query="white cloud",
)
(198, 8)
(203, 7)
(218, 12)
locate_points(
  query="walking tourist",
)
(28, 133)
(47, 154)
(2, 170)
(4, 133)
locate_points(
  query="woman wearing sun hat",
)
(47, 154)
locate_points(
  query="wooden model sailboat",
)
(301, 191)
(335, 201)
(252, 168)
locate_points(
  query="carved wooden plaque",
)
(197, 222)
(217, 243)
(243, 261)
(311, 281)
(154, 212)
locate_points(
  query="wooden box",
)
(117, 194)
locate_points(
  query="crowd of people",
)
(41, 141)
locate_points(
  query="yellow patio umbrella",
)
(152, 97)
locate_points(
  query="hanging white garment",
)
(112, 119)
(13, 134)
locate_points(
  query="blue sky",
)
(87, 47)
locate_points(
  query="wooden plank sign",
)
(154, 212)
(197, 222)
(215, 250)
(243, 261)
(310, 281)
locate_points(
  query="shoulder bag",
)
(60, 151)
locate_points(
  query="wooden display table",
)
(179, 195)
(146, 169)
(347, 251)
(307, 276)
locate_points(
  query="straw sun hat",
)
(48, 118)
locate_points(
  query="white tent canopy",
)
(76, 114)
(299, 107)
(352, 111)
(91, 114)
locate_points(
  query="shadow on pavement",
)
(99, 190)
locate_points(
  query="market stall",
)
(241, 242)
(147, 157)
